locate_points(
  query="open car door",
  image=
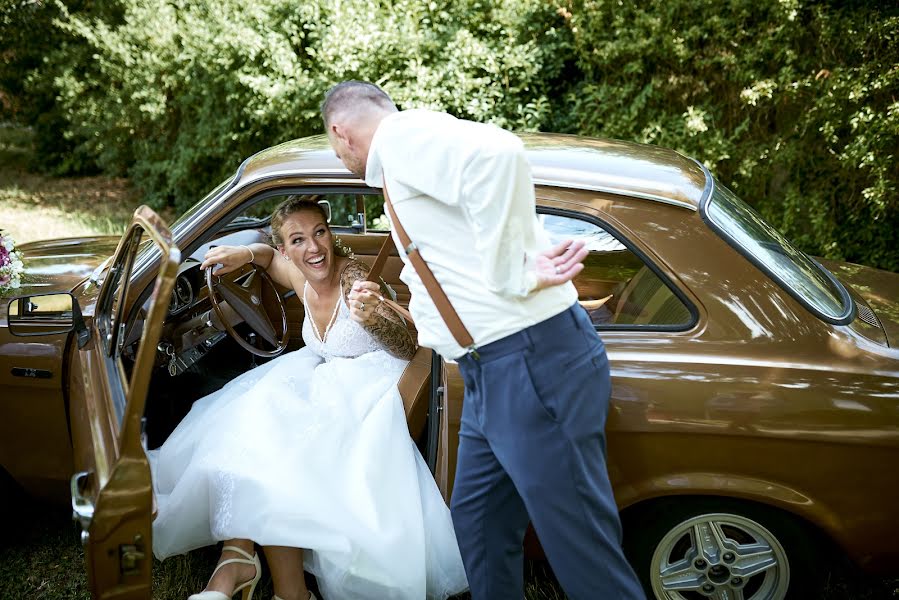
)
(110, 369)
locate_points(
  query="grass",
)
(41, 559)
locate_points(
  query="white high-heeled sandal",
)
(248, 587)
(311, 597)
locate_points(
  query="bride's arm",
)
(384, 325)
(233, 257)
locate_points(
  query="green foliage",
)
(176, 93)
(793, 104)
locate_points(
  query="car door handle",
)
(82, 507)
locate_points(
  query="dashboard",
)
(182, 295)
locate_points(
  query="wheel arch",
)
(813, 517)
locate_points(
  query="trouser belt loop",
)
(529, 336)
(573, 313)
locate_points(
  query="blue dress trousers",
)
(532, 447)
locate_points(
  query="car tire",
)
(763, 552)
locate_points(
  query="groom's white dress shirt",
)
(464, 194)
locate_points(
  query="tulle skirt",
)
(316, 455)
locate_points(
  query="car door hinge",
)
(132, 556)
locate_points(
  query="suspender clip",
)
(473, 352)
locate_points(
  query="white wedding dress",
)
(312, 450)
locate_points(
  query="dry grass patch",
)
(36, 207)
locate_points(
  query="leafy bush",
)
(793, 104)
(176, 93)
(27, 39)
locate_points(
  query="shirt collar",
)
(374, 167)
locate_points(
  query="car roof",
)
(611, 166)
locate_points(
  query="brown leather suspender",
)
(374, 275)
(438, 296)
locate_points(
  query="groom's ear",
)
(344, 135)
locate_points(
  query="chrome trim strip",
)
(709, 183)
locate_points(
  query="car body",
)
(754, 417)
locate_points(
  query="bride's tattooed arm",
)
(386, 326)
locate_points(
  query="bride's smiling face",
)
(308, 244)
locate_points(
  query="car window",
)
(375, 219)
(110, 312)
(109, 308)
(798, 274)
(616, 286)
(343, 209)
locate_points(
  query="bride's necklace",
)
(331, 321)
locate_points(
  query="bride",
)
(308, 455)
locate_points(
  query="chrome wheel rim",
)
(720, 556)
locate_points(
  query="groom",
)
(532, 440)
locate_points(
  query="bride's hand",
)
(230, 258)
(363, 299)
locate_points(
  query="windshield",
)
(199, 206)
(802, 277)
(149, 251)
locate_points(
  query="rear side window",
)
(616, 287)
(803, 278)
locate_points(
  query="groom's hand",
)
(560, 264)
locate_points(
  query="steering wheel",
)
(244, 296)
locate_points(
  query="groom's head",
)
(352, 111)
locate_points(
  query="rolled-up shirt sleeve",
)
(498, 200)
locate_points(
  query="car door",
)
(109, 372)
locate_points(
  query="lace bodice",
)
(345, 339)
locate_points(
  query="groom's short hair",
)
(353, 95)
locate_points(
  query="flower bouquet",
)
(11, 266)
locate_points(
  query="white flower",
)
(695, 118)
(11, 267)
(759, 90)
(381, 223)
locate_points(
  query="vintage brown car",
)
(755, 410)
